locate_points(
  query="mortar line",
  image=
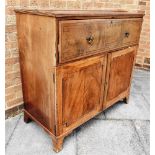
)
(145, 98)
(112, 119)
(139, 139)
(6, 145)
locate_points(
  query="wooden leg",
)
(126, 100)
(26, 118)
(57, 144)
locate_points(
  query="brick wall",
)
(13, 82)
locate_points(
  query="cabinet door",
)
(81, 84)
(120, 65)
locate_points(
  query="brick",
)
(16, 67)
(11, 37)
(127, 2)
(146, 66)
(33, 3)
(146, 55)
(99, 5)
(73, 4)
(11, 53)
(14, 80)
(7, 54)
(142, 7)
(105, 0)
(12, 61)
(58, 4)
(10, 28)
(10, 11)
(12, 68)
(15, 101)
(12, 76)
(9, 97)
(44, 3)
(9, 68)
(15, 54)
(19, 94)
(142, 3)
(147, 60)
(10, 20)
(138, 56)
(13, 2)
(138, 65)
(24, 3)
(11, 89)
(11, 45)
(139, 61)
(87, 5)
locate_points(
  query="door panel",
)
(119, 76)
(81, 89)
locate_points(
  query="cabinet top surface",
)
(81, 13)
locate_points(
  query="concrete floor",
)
(121, 130)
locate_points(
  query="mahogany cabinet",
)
(74, 65)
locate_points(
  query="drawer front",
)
(112, 35)
(131, 31)
(81, 38)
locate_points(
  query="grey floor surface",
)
(123, 129)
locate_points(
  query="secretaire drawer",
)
(81, 38)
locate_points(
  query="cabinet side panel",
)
(37, 39)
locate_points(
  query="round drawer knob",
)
(126, 34)
(90, 39)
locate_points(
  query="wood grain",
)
(77, 94)
(77, 14)
(133, 27)
(106, 35)
(35, 34)
(74, 65)
(73, 38)
(121, 65)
